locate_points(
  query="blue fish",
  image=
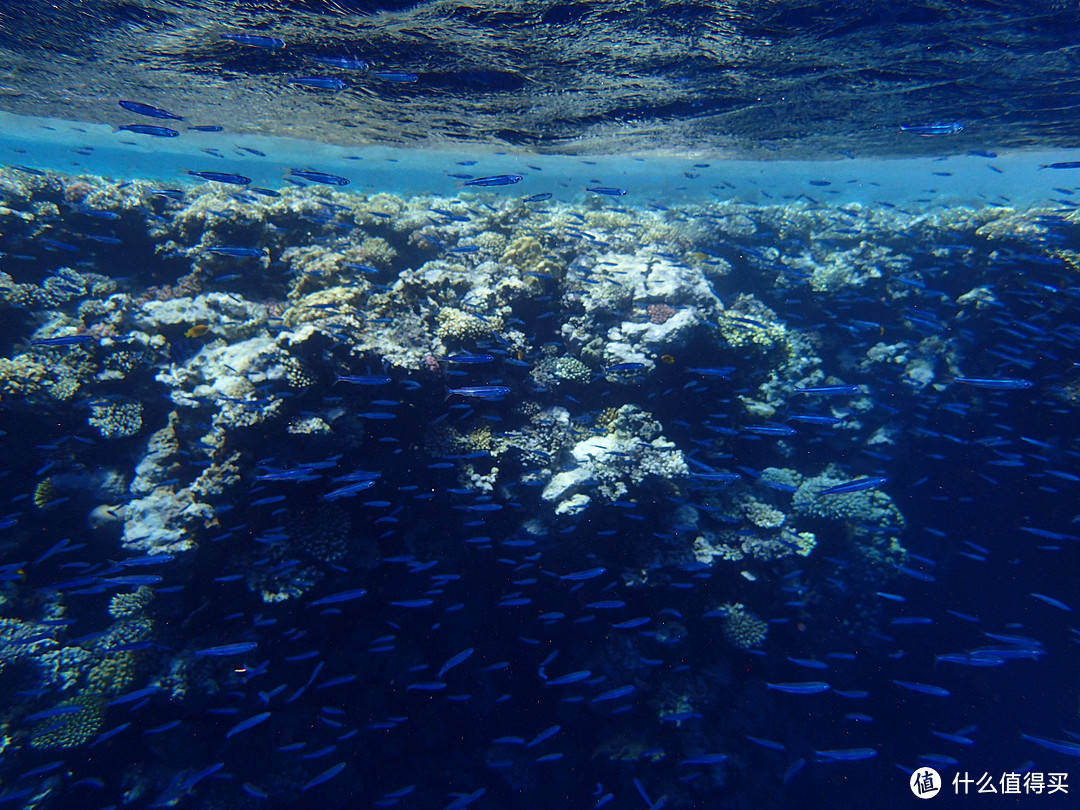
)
(927, 130)
(343, 62)
(829, 390)
(319, 82)
(150, 112)
(847, 754)
(399, 76)
(495, 180)
(997, 383)
(244, 725)
(256, 40)
(238, 648)
(336, 598)
(857, 485)
(319, 177)
(614, 694)
(149, 129)
(223, 177)
(481, 391)
(924, 688)
(803, 688)
(325, 776)
(453, 661)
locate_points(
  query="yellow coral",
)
(458, 325)
(67, 730)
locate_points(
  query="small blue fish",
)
(546, 734)
(67, 340)
(997, 383)
(401, 77)
(336, 598)
(607, 191)
(319, 82)
(927, 130)
(244, 725)
(1060, 746)
(614, 694)
(771, 430)
(705, 759)
(830, 390)
(453, 661)
(149, 129)
(238, 648)
(325, 776)
(481, 391)
(134, 579)
(847, 754)
(256, 40)
(371, 379)
(495, 180)
(150, 112)
(590, 573)
(319, 177)
(223, 177)
(803, 688)
(857, 485)
(1052, 602)
(343, 62)
(924, 688)
(572, 677)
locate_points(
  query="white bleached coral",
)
(607, 465)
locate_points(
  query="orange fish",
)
(667, 358)
(198, 330)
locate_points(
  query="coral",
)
(295, 374)
(116, 419)
(571, 369)
(72, 728)
(310, 426)
(527, 255)
(761, 514)
(161, 519)
(660, 313)
(742, 628)
(279, 586)
(868, 507)
(553, 370)
(112, 674)
(459, 326)
(23, 639)
(982, 297)
(706, 549)
(322, 532)
(854, 267)
(125, 605)
(219, 476)
(632, 450)
(21, 376)
(63, 668)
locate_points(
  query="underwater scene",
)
(510, 406)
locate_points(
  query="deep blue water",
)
(404, 489)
